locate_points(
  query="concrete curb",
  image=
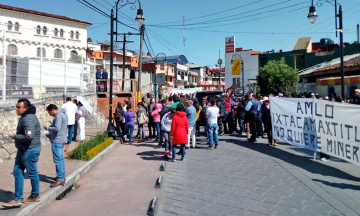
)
(52, 193)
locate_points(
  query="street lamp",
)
(312, 16)
(165, 63)
(219, 63)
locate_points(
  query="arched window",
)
(38, 52)
(9, 25)
(73, 52)
(12, 49)
(71, 34)
(44, 30)
(17, 26)
(56, 32)
(61, 33)
(58, 53)
(77, 35)
(38, 29)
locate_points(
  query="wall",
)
(9, 120)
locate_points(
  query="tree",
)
(191, 85)
(278, 77)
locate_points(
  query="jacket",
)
(141, 110)
(183, 100)
(166, 122)
(98, 74)
(156, 113)
(198, 114)
(266, 115)
(28, 130)
(58, 129)
(151, 108)
(227, 104)
(165, 109)
(104, 75)
(119, 114)
(221, 105)
(191, 115)
(179, 128)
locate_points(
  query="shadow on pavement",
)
(5, 195)
(151, 155)
(296, 160)
(339, 185)
(43, 178)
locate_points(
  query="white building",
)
(38, 44)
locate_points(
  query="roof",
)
(349, 61)
(170, 59)
(22, 10)
(302, 43)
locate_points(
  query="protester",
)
(198, 108)
(143, 100)
(251, 109)
(183, 100)
(105, 75)
(76, 123)
(227, 116)
(156, 115)
(179, 131)
(191, 116)
(129, 123)
(212, 117)
(151, 124)
(220, 103)
(98, 76)
(266, 118)
(70, 109)
(356, 99)
(120, 121)
(166, 128)
(164, 109)
(27, 142)
(141, 111)
(58, 139)
(259, 123)
(81, 121)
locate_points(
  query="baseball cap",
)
(357, 90)
(265, 99)
(189, 101)
(312, 94)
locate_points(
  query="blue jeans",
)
(70, 133)
(241, 125)
(58, 157)
(182, 149)
(129, 135)
(213, 134)
(26, 160)
(158, 133)
(98, 85)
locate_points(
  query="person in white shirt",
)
(70, 109)
(211, 115)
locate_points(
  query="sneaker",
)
(275, 143)
(172, 160)
(32, 199)
(244, 134)
(324, 159)
(210, 148)
(217, 146)
(12, 203)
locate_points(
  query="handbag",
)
(143, 119)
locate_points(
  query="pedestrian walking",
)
(266, 118)
(58, 139)
(142, 120)
(191, 116)
(81, 121)
(179, 131)
(70, 109)
(220, 103)
(120, 121)
(129, 123)
(212, 116)
(27, 142)
(166, 128)
(251, 109)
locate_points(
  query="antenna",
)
(183, 32)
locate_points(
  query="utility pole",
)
(341, 52)
(183, 32)
(124, 45)
(4, 66)
(41, 61)
(219, 62)
(142, 29)
(111, 127)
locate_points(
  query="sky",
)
(261, 25)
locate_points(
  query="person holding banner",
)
(266, 118)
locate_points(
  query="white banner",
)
(319, 125)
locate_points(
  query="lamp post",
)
(155, 62)
(312, 16)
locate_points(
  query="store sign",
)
(230, 44)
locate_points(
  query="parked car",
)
(210, 94)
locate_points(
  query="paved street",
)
(243, 178)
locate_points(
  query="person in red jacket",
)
(179, 131)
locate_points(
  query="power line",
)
(98, 25)
(93, 9)
(108, 3)
(102, 5)
(149, 42)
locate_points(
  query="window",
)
(77, 35)
(73, 52)
(38, 29)
(12, 49)
(161, 67)
(38, 52)
(9, 25)
(17, 26)
(171, 79)
(61, 33)
(56, 32)
(58, 53)
(44, 30)
(72, 34)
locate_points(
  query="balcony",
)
(171, 73)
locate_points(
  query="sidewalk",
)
(46, 169)
(242, 178)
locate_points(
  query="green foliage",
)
(191, 85)
(97, 149)
(79, 152)
(278, 77)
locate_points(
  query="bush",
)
(79, 153)
(97, 149)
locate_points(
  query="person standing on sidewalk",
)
(164, 109)
(212, 117)
(120, 121)
(70, 109)
(191, 116)
(179, 131)
(141, 111)
(105, 76)
(220, 103)
(81, 121)
(156, 115)
(165, 128)
(251, 109)
(266, 118)
(27, 141)
(98, 76)
(58, 139)
(129, 123)
(76, 123)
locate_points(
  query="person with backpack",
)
(164, 109)
(142, 120)
(120, 121)
(166, 121)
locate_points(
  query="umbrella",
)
(85, 103)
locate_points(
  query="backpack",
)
(143, 119)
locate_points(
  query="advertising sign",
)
(236, 66)
(230, 44)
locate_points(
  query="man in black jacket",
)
(105, 75)
(220, 103)
(27, 141)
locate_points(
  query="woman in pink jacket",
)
(156, 115)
